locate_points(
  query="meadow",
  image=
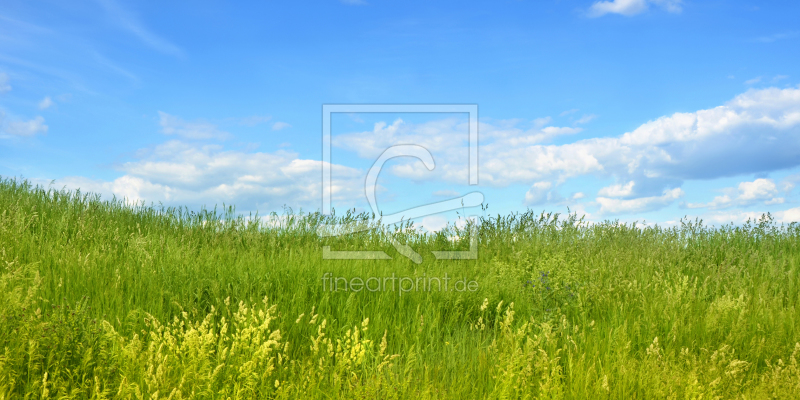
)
(101, 299)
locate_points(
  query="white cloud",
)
(23, 128)
(280, 125)
(747, 193)
(434, 223)
(624, 7)
(4, 86)
(551, 131)
(539, 193)
(435, 136)
(789, 216)
(617, 190)
(754, 132)
(447, 140)
(758, 189)
(45, 103)
(200, 130)
(642, 204)
(631, 7)
(184, 174)
(718, 202)
(738, 216)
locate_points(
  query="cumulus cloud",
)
(761, 190)
(434, 136)
(181, 173)
(539, 193)
(789, 216)
(739, 216)
(617, 190)
(433, 223)
(200, 130)
(632, 7)
(755, 132)
(447, 140)
(502, 148)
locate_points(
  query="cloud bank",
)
(754, 133)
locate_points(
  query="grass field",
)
(103, 300)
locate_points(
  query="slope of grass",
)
(103, 300)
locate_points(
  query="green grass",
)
(99, 299)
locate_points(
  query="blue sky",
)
(645, 110)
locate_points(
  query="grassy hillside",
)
(103, 300)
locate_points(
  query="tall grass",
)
(99, 299)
